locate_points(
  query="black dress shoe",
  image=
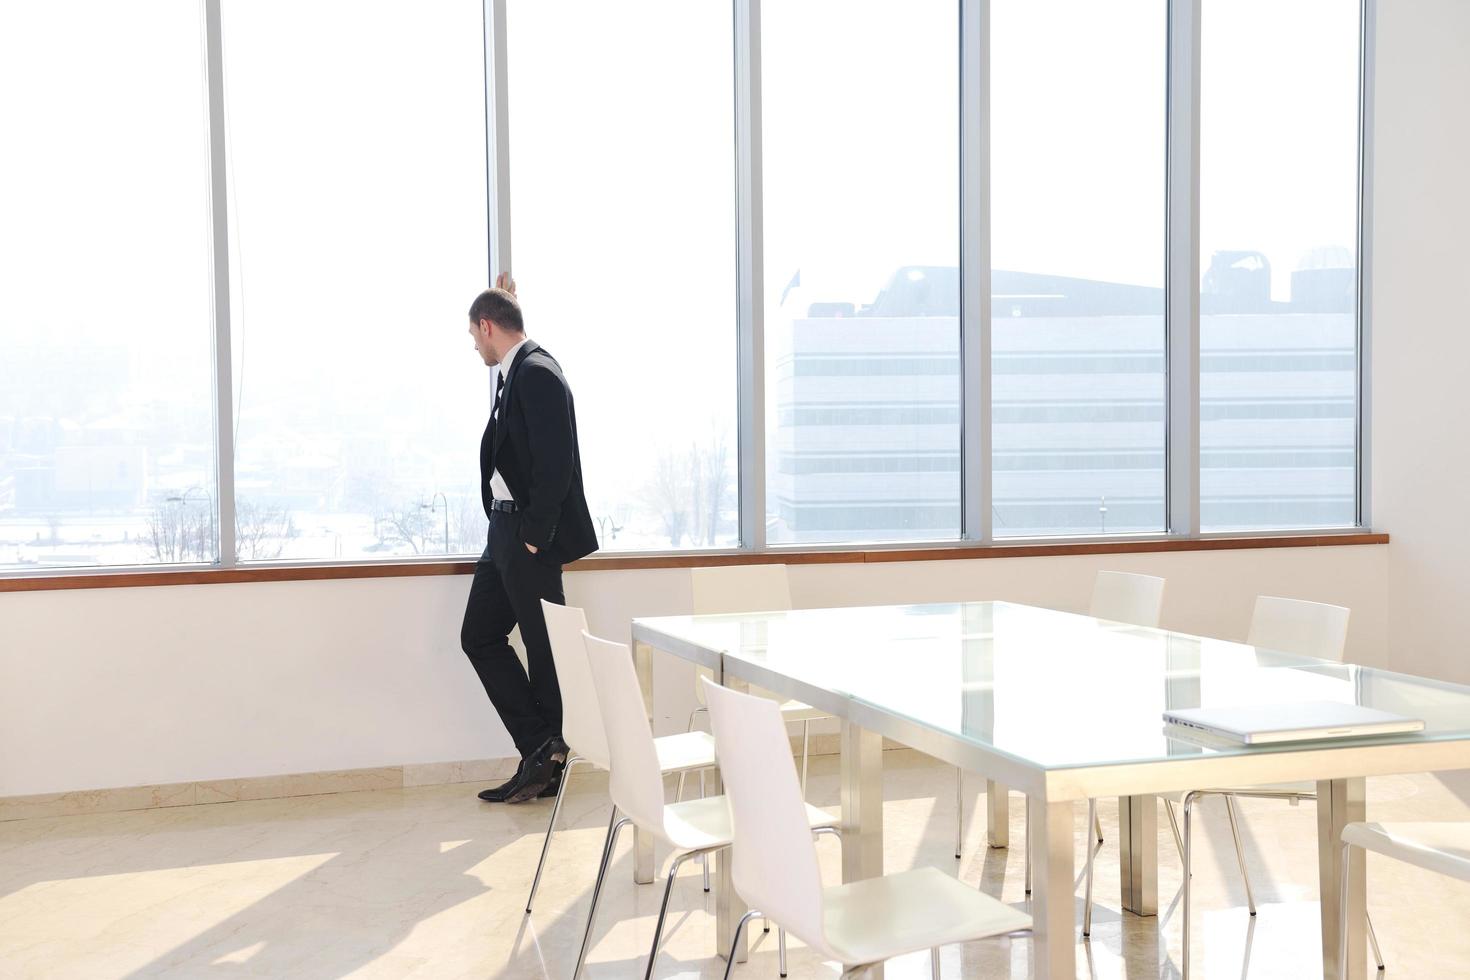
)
(497, 794)
(553, 787)
(542, 768)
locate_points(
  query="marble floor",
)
(430, 883)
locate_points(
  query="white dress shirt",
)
(498, 489)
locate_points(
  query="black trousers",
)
(507, 590)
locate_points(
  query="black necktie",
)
(495, 416)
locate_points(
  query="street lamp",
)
(609, 528)
(183, 498)
(431, 508)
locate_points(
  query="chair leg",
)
(1250, 899)
(1188, 848)
(781, 950)
(959, 811)
(663, 911)
(1028, 856)
(692, 714)
(735, 944)
(1028, 866)
(1342, 912)
(1174, 826)
(1342, 950)
(1373, 941)
(1091, 860)
(1096, 823)
(806, 738)
(679, 789)
(614, 826)
(566, 774)
(934, 962)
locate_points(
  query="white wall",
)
(1421, 330)
(122, 687)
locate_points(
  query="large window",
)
(623, 161)
(357, 194)
(861, 182)
(106, 452)
(1278, 258)
(1077, 239)
(623, 222)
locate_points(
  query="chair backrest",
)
(740, 588)
(581, 718)
(1126, 597)
(734, 589)
(774, 863)
(1311, 629)
(634, 779)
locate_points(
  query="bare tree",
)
(689, 490)
(261, 533)
(717, 483)
(467, 524)
(670, 495)
(179, 533)
(405, 523)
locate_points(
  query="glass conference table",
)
(1062, 708)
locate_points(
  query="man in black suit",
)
(531, 486)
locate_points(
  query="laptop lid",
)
(1260, 724)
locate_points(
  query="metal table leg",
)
(1138, 853)
(1339, 803)
(1052, 837)
(997, 814)
(862, 807)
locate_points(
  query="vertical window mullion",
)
(750, 279)
(497, 147)
(224, 425)
(1364, 305)
(1182, 282)
(975, 279)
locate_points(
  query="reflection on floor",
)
(430, 883)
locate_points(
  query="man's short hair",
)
(500, 307)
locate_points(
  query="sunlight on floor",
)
(429, 883)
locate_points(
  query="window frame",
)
(976, 537)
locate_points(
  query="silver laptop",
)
(1263, 724)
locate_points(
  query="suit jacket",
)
(533, 443)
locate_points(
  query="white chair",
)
(692, 828)
(750, 588)
(1310, 629)
(1443, 847)
(1127, 597)
(582, 720)
(774, 862)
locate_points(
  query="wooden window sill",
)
(614, 562)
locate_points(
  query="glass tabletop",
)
(1054, 689)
